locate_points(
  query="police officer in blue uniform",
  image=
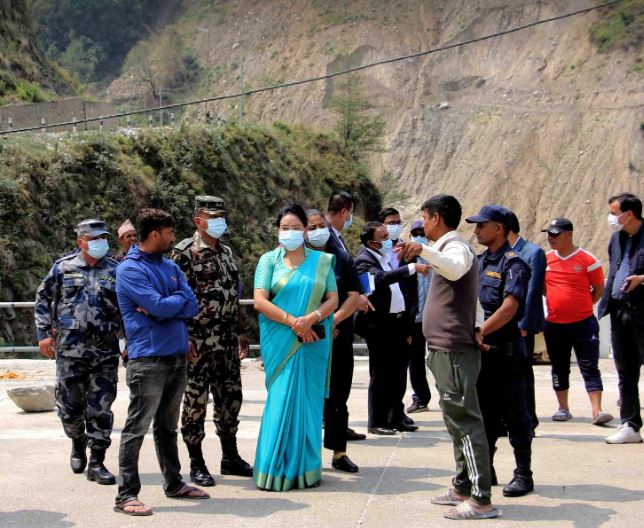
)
(503, 283)
(77, 320)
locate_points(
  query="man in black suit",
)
(386, 329)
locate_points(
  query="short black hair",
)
(387, 211)
(340, 200)
(149, 220)
(628, 202)
(369, 231)
(446, 206)
(294, 209)
(514, 226)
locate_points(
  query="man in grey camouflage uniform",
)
(77, 320)
(212, 274)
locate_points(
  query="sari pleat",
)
(289, 446)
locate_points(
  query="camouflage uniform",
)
(213, 276)
(77, 304)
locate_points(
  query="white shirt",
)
(397, 300)
(452, 262)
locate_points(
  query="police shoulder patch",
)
(511, 254)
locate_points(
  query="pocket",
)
(73, 290)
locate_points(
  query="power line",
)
(327, 76)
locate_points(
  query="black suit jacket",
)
(380, 298)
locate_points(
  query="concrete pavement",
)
(580, 481)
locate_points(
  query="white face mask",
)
(613, 221)
(291, 239)
(319, 237)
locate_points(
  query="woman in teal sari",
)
(295, 294)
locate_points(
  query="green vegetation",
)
(30, 92)
(621, 27)
(48, 184)
(359, 129)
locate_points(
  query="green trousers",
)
(456, 374)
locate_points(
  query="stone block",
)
(34, 398)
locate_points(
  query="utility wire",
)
(320, 77)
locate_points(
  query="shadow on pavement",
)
(573, 437)
(591, 492)
(581, 515)
(31, 518)
(259, 507)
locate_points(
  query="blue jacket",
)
(534, 319)
(156, 284)
(615, 248)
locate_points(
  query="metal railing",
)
(32, 349)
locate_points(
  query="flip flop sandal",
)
(447, 499)
(602, 418)
(561, 416)
(187, 492)
(465, 512)
(121, 508)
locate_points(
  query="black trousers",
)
(528, 342)
(627, 335)
(388, 360)
(417, 371)
(503, 396)
(336, 412)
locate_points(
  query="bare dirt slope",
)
(537, 120)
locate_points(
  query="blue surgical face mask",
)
(97, 248)
(291, 239)
(394, 231)
(348, 223)
(420, 240)
(216, 227)
(387, 246)
(319, 237)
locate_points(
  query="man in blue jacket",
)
(623, 300)
(155, 302)
(533, 321)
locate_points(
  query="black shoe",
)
(406, 428)
(344, 464)
(381, 431)
(520, 485)
(407, 420)
(78, 458)
(236, 466)
(97, 472)
(416, 407)
(352, 435)
(199, 473)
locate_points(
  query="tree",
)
(359, 129)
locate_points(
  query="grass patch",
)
(621, 28)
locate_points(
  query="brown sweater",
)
(450, 311)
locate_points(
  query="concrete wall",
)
(23, 116)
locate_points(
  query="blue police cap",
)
(416, 224)
(91, 227)
(492, 213)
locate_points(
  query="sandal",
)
(449, 498)
(465, 511)
(188, 492)
(561, 416)
(133, 507)
(602, 418)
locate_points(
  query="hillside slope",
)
(24, 69)
(539, 120)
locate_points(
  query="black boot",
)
(97, 471)
(522, 483)
(231, 462)
(199, 473)
(78, 458)
(494, 481)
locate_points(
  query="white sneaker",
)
(625, 435)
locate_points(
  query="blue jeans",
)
(156, 387)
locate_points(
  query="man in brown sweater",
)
(451, 318)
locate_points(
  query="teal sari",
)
(290, 437)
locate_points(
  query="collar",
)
(498, 253)
(199, 244)
(382, 259)
(518, 244)
(447, 236)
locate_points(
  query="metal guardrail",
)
(31, 349)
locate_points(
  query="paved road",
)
(581, 481)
